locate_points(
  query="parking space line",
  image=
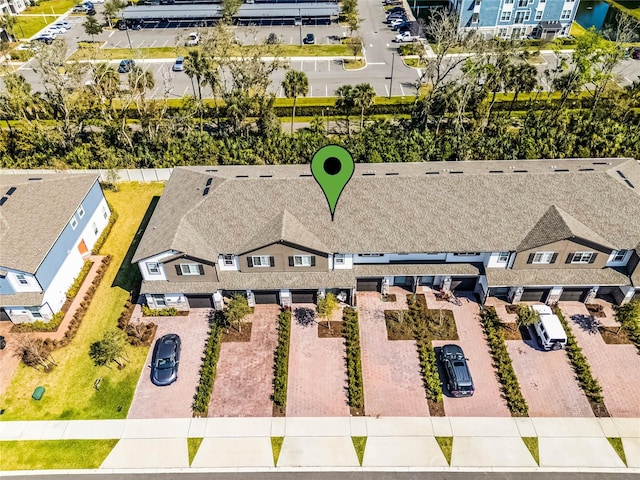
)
(326, 90)
(387, 89)
(141, 43)
(310, 91)
(315, 65)
(402, 90)
(165, 43)
(185, 91)
(117, 43)
(301, 65)
(153, 43)
(328, 65)
(111, 34)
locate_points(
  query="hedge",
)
(202, 396)
(351, 333)
(77, 283)
(502, 362)
(281, 360)
(629, 317)
(105, 233)
(159, 312)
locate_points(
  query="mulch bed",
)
(333, 331)
(436, 409)
(440, 328)
(599, 409)
(395, 329)
(389, 298)
(511, 309)
(596, 310)
(512, 331)
(232, 334)
(279, 411)
(609, 336)
(356, 412)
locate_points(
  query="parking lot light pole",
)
(300, 18)
(393, 58)
(127, 31)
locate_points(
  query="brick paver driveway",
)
(390, 369)
(487, 400)
(173, 401)
(317, 373)
(244, 378)
(617, 367)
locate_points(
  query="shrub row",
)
(77, 283)
(629, 317)
(138, 334)
(105, 233)
(159, 312)
(419, 322)
(200, 405)
(281, 359)
(40, 325)
(502, 362)
(580, 364)
(351, 333)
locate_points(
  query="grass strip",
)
(616, 443)
(355, 387)
(193, 444)
(532, 445)
(276, 446)
(502, 362)
(54, 454)
(446, 445)
(359, 443)
(281, 364)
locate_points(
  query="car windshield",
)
(164, 363)
(458, 363)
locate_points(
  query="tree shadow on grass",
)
(128, 276)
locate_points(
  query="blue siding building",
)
(517, 19)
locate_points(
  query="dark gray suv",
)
(459, 379)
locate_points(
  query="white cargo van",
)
(549, 330)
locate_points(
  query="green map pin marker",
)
(332, 167)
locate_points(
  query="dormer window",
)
(228, 260)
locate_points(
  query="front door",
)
(82, 248)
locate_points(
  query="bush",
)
(159, 312)
(77, 283)
(502, 362)
(351, 333)
(580, 364)
(40, 326)
(281, 359)
(629, 317)
(202, 397)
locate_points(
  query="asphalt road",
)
(340, 476)
(325, 76)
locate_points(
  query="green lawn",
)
(171, 52)
(27, 26)
(69, 387)
(52, 7)
(577, 29)
(193, 444)
(54, 454)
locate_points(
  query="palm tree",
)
(7, 23)
(345, 102)
(195, 66)
(295, 84)
(521, 78)
(363, 97)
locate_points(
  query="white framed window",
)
(565, 15)
(538, 16)
(22, 280)
(541, 2)
(502, 32)
(35, 312)
(503, 257)
(228, 260)
(73, 222)
(527, 15)
(159, 300)
(105, 214)
(522, 3)
(80, 211)
(619, 256)
(338, 258)
(95, 228)
(521, 16)
(153, 268)
(508, 2)
(261, 260)
(505, 16)
(190, 269)
(582, 257)
(475, 17)
(542, 257)
(302, 260)
(466, 254)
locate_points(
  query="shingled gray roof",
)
(501, 277)
(34, 215)
(400, 208)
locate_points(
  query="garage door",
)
(264, 296)
(369, 284)
(573, 294)
(200, 301)
(534, 295)
(3, 316)
(303, 296)
(463, 284)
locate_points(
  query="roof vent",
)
(209, 180)
(11, 190)
(520, 171)
(621, 174)
(587, 169)
(35, 178)
(391, 173)
(629, 183)
(496, 171)
(306, 175)
(211, 170)
(205, 191)
(600, 163)
(242, 176)
(432, 173)
(3, 200)
(266, 176)
(562, 170)
(368, 174)
(456, 171)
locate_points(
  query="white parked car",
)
(65, 25)
(405, 37)
(55, 30)
(192, 40)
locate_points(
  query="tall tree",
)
(92, 27)
(111, 9)
(363, 97)
(345, 102)
(195, 66)
(295, 84)
(229, 8)
(8, 23)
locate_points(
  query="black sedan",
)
(165, 360)
(126, 66)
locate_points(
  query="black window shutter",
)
(554, 257)
(250, 261)
(201, 269)
(593, 257)
(272, 262)
(313, 260)
(530, 259)
(178, 270)
(291, 261)
(569, 258)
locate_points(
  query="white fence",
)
(124, 175)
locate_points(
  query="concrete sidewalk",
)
(393, 443)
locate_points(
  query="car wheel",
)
(539, 341)
(556, 346)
